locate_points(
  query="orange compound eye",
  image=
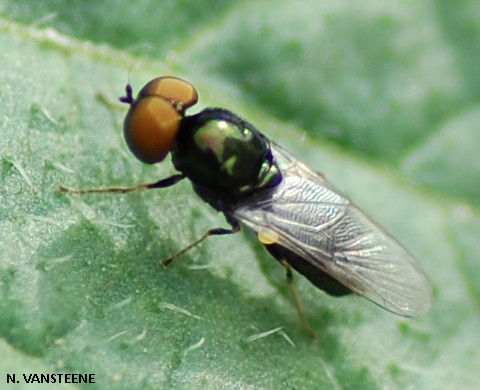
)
(150, 128)
(177, 91)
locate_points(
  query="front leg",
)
(168, 182)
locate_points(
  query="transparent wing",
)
(311, 218)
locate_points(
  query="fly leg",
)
(211, 232)
(169, 181)
(296, 299)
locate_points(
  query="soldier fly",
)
(301, 219)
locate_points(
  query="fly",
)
(300, 218)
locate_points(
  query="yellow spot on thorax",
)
(267, 236)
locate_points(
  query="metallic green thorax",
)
(221, 152)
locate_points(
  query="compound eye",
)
(150, 128)
(177, 91)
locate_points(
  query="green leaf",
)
(382, 98)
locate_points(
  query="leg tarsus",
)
(211, 232)
(118, 190)
(296, 300)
